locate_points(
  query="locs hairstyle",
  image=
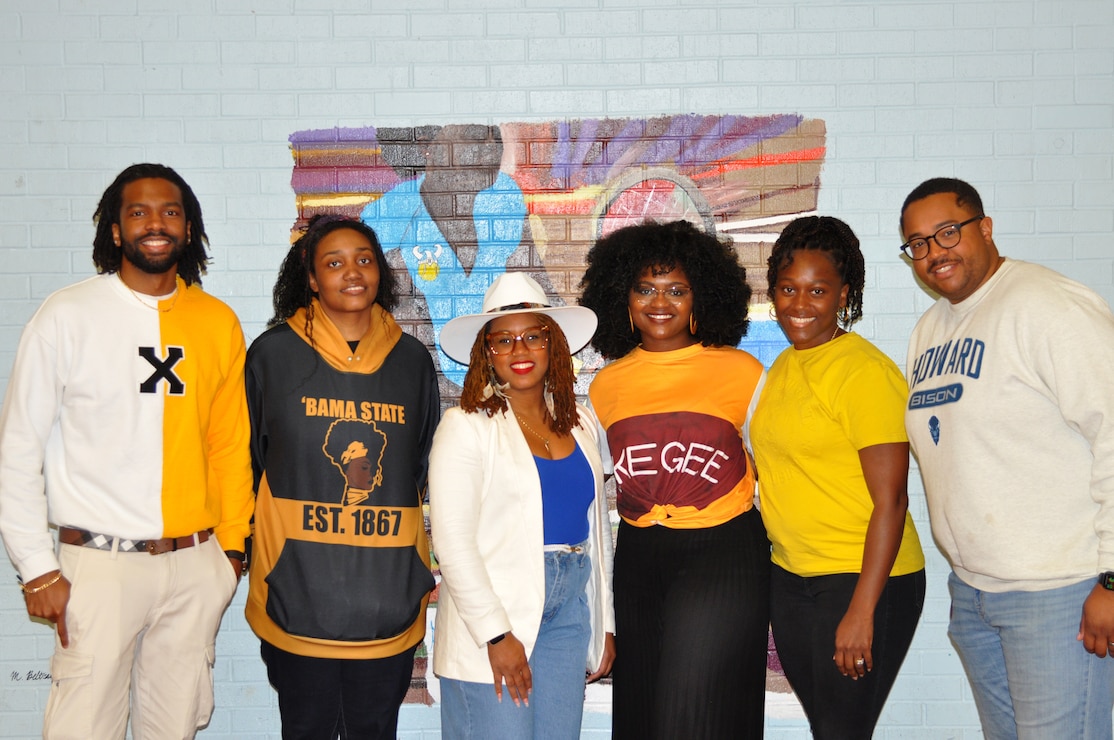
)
(292, 290)
(107, 256)
(835, 239)
(616, 262)
(559, 378)
(965, 195)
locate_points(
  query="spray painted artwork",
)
(457, 205)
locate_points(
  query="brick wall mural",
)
(456, 205)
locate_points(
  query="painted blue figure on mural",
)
(456, 221)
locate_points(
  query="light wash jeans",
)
(1031, 678)
(557, 665)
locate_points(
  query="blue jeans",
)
(1031, 678)
(557, 665)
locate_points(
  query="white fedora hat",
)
(516, 292)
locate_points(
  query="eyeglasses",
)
(946, 236)
(674, 294)
(503, 342)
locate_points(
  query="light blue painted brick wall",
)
(1017, 97)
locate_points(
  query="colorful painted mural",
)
(457, 205)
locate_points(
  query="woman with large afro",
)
(692, 562)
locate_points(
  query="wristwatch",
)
(242, 557)
(497, 640)
(1106, 580)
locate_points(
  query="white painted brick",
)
(994, 15)
(899, 16)
(528, 24)
(878, 41)
(963, 144)
(526, 75)
(65, 28)
(103, 52)
(388, 51)
(143, 26)
(797, 98)
(258, 52)
(195, 28)
(590, 23)
(487, 50)
(757, 19)
(334, 51)
(219, 77)
(681, 72)
(733, 98)
(1093, 90)
(668, 21)
(827, 15)
(370, 26)
(894, 94)
(500, 103)
(25, 52)
(760, 71)
(1073, 116)
(578, 50)
(850, 69)
(717, 45)
(256, 105)
(625, 102)
(816, 43)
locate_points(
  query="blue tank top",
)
(568, 488)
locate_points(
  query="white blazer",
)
(485, 510)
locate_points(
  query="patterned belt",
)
(85, 538)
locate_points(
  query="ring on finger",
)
(860, 662)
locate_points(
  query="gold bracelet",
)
(44, 587)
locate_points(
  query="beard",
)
(133, 253)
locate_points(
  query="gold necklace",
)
(148, 305)
(545, 440)
(835, 332)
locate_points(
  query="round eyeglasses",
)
(946, 236)
(503, 342)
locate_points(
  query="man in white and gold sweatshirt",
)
(125, 426)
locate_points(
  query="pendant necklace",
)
(527, 427)
(148, 305)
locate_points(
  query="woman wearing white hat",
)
(519, 524)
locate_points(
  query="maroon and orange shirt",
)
(674, 425)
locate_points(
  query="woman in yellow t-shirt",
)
(848, 580)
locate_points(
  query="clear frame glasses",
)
(644, 293)
(946, 236)
(503, 342)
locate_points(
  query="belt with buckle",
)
(85, 538)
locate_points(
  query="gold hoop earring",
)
(773, 312)
(692, 323)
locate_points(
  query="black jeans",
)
(327, 698)
(691, 618)
(804, 615)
